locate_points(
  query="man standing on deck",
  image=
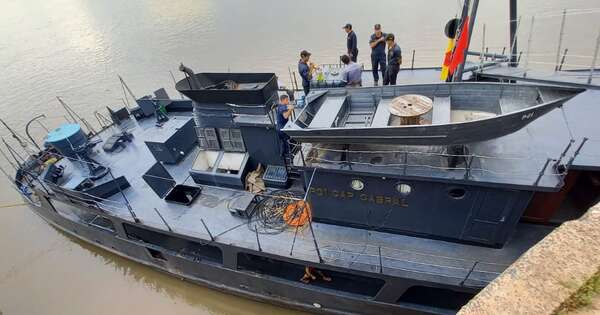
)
(394, 60)
(351, 42)
(377, 43)
(284, 112)
(352, 72)
(304, 71)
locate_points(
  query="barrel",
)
(66, 139)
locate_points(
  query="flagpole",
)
(459, 73)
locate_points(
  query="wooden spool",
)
(409, 108)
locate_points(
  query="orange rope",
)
(297, 213)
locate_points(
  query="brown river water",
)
(76, 48)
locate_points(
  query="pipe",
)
(27, 130)
(192, 80)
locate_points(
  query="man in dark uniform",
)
(394, 60)
(304, 71)
(377, 43)
(284, 112)
(351, 42)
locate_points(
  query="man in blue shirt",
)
(394, 60)
(351, 42)
(352, 72)
(304, 71)
(284, 112)
(377, 43)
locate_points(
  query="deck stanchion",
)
(562, 60)
(560, 39)
(405, 162)
(380, 261)
(133, 215)
(514, 28)
(529, 39)
(163, 220)
(468, 166)
(594, 59)
(257, 239)
(537, 181)
(412, 63)
(483, 53)
(207, 230)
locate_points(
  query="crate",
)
(276, 177)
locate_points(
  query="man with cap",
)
(377, 43)
(352, 72)
(351, 42)
(304, 71)
(394, 60)
(284, 112)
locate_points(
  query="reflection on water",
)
(76, 48)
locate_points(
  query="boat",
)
(200, 189)
(462, 113)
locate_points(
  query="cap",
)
(378, 26)
(348, 26)
(304, 53)
(390, 36)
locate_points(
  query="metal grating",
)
(231, 140)
(207, 137)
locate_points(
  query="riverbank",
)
(548, 275)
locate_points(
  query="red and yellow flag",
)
(447, 60)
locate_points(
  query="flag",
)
(462, 44)
(447, 59)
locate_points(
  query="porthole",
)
(357, 184)
(457, 193)
(404, 189)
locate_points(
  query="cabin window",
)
(435, 297)
(404, 189)
(195, 251)
(340, 281)
(457, 193)
(102, 223)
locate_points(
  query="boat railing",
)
(467, 166)
(385, 259)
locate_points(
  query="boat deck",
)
(358, 249)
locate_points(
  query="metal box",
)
(174, 140)
(218, 168)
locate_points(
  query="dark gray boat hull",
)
(226, 278)
(436, 134)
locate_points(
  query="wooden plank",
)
(441, 110)
(328, 112)
(382, 114)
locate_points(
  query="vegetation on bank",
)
(583, 297)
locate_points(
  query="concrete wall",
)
(547, 274)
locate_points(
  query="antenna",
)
(126, 88)
(74, 116)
